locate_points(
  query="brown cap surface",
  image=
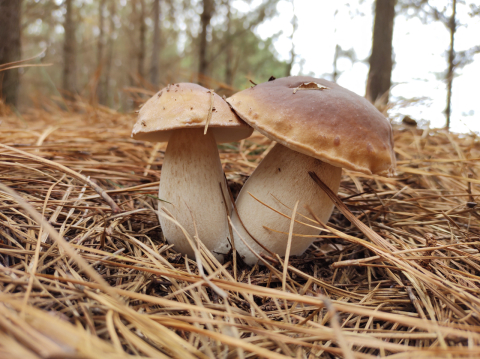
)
(320, 119)
(186, 105)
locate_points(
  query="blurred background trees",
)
(445, 12)
(116, 53)
(10, 48)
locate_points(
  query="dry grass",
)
(396, 271)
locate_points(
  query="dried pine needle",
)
(398, 274)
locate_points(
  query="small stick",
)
(246, 230)
(415, 302)
(232, 242)
(289, 246)
(210, 110)
(105, 258)
(469, 189)
(152, 158)
(353, 262)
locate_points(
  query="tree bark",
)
(141, 49)
(101, 27)
(109, 58)
(100, 48)
(229, 49)
(208, 9)
(154, 68)
(69, 50)
(451, 62)
(10, 48)
(379, 75)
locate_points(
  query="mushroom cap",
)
(186, 105)
(321, 119)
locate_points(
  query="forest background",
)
(117, 53)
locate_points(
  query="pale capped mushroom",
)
(192, 174)
(318, 126)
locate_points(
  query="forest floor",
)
(395, 273)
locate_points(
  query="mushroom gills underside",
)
(279, 181)
(192, 181)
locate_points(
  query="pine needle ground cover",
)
(86, 273)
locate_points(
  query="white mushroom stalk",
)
(319, 126)
(191, 181)
(192, 173)
(279, 181)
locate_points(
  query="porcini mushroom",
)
(192, 178)
(318, 126)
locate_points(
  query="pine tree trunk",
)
(141, 50)
(154, 68)
(451, 65)
(10, 48)
(69, 49)
(378, 83)
(229, 49)
(109, 59)
(208, 9)
(100, 46)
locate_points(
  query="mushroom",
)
(318, 126)
(192, 178)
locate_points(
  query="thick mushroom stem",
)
(190, 181)
(279, 181)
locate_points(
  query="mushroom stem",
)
(279, 181)
(191, 174)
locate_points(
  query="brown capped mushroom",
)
(191, 171)
(318, 126)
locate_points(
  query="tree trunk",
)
(378, 83)
(101, 40)
(69, 47)
(100, 46)
(109, 59)
(141, 49)
(208, 9)
(10, 48)
(229, 49)
(451, 64)
(156, 44)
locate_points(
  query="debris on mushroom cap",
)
(187, 105)
(334, 125)
(309, 86)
